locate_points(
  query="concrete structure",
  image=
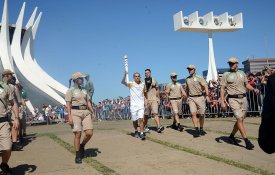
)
(255, 65)
(208, 24)
(16, 54)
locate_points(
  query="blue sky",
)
(92, 36)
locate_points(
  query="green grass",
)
(90, 161)
(209, 156)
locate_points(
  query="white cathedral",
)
(16, 54)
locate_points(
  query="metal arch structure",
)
(16, 54)
(208, 24)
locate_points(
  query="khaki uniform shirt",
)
(151, 93)
(234, 82)
(174, 90)
(195, 85)
(77, 96)
(6, 95)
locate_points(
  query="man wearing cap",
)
(80, 112)
(136, 102)
(152, 99)
(18, 99)
(195, 87)
(10, 80)
(6, 98)
(235, 83)
(176, 93)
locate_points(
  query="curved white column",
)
(27, 32)
(29, 75)
(29, 59)
(5, 49)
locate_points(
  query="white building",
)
(16, 54)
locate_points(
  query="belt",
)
(196, 95)
(175, 98)
(3, 119)
(79, 107)
(237, 96)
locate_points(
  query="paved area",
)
(114, 147)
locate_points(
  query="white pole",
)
(212, 69)
(126, 67)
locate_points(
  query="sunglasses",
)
(137, 76)
(173, 76)
(189, 69)
(231, 64)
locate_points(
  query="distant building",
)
(220, 71)
(255, 65)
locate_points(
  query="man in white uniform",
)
(136, 102)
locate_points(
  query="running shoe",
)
(202, 132)
(16, 146)
(146, 129)
(78, 159)
(197, 133)
(179, 128)
(142, 136)
(136, 134)
(160, 129)
(249, 145)
(5, 169)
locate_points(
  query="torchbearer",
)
(136, 100)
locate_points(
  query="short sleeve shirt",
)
(77, 96)
(152, 91)
(234, 82)
(6, 95)
(195, 85)
(175, 90)
(136, 94)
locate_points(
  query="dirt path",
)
(166, 153)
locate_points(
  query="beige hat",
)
(191, 66)
(233, 60)
(77, 75)
(7, 71)
(173, 74)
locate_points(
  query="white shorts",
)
(137, 114)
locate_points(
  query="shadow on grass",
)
(92, 152)
(28, 139)
(23, 169)
(226, 139)
(191, 132)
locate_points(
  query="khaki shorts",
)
(177, 106)
(151, 106)
(238, 106)
(197, 104)
(5, 136)
(82, 119)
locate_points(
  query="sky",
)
(92, 36)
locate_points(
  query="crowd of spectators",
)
(119, 108)
(48, 114)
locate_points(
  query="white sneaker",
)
(146, 129)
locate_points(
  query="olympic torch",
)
(126, 67)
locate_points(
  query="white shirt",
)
(136, 95)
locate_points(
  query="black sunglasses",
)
(174, 76)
